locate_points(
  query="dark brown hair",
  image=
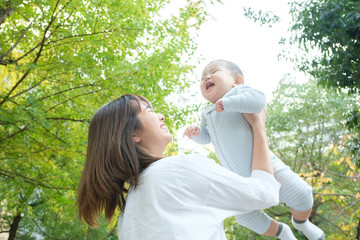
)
(112, 160)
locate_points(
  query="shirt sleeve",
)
(257, 192)
(204, 136)
(231, 191)
(244, 99)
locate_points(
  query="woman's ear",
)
(137, 136)
(238, 79)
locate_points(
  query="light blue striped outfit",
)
(232, 138)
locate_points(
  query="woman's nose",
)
(161, 117)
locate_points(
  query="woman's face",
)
(154, 135)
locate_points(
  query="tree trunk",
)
(14, 226)
(358, 231)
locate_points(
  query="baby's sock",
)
(284, 232)
(311, 231)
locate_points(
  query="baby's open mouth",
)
(209, 84)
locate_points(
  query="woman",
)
(181, 197)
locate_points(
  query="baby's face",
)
(216, 81)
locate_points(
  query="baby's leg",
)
(261, 223)
(297, 194)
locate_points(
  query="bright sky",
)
(254, 48)
(231, 36)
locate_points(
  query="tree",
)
(60, 60)
(332, 28)
(306, 130)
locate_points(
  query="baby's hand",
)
(219, 107)
(191, 131)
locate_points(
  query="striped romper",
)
(232, 138)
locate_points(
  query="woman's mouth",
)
(163, 126)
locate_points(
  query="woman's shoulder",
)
(183, 160)
(186, 164)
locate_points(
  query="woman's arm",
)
(261, 152)
(199, 180)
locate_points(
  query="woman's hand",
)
(256, 118)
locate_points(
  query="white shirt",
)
(189, 196)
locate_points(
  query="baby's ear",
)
(238, 79)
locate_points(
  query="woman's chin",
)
(170, 138)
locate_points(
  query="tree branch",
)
(45, 32)
(53, 17)
(67, 119)
(287, 213)
(41, 125)
(26, 90)
(52, 134)
(14, 46)
(32, 181)
(335, 194)
(14, 134)
(13, 88)
(36, 58)
(335, 225)
(69, 89)
(340, 175)
(30, 51)
(69, 99)
(39, 44)
(91, 34)
(6, 12)
(45, 233)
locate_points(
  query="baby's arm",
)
(198, 134)
(244, 100)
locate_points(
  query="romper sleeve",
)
(204, 136)
(244, 99)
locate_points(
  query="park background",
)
(60, 60)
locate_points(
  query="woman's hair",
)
(113, 159)
(232, 67)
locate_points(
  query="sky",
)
(231, 36)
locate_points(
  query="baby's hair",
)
(232, 67)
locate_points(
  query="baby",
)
(223, 124)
